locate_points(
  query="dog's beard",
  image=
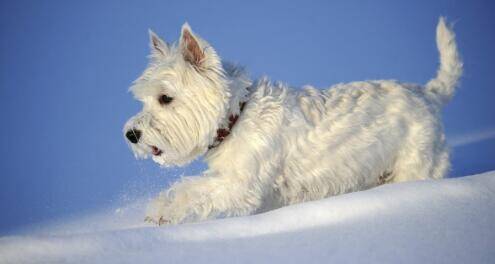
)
(156, 141)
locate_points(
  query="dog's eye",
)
(165, 99)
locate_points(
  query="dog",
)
(268, 145)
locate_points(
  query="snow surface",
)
(444, 221)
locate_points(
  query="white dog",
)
(268, 145)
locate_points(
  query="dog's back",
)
(362, 134)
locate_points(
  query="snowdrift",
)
(445, 221)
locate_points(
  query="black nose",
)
(133, 135)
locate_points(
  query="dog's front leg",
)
(199, 198)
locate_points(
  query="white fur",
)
(289, 145)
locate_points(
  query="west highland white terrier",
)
(268, 145)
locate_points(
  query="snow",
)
(444, 221)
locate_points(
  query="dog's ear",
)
(190, 46)
(159, 48)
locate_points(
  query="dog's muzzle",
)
(133, 135)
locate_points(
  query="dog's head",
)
(185, 95)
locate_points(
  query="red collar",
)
(222, 133)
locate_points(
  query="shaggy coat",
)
(287, 145)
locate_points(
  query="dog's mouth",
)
(156, 151)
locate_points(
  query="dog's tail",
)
(442, 87)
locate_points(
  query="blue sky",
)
(65, 67)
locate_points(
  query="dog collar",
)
(222, 133)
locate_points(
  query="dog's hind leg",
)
(425, 156)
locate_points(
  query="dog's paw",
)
(156, 211)
(165, 211)
(160, 221)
